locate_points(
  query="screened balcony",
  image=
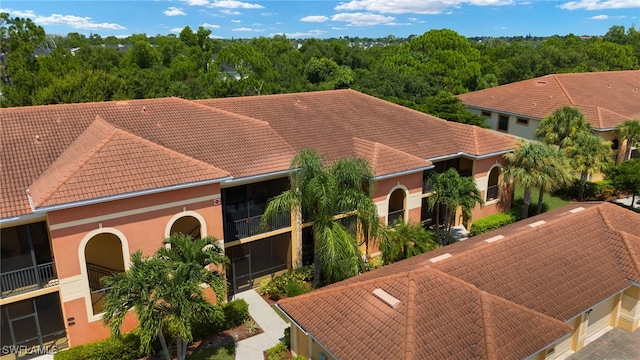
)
(27, 264)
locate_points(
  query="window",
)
(503, 123)
(396, 206)
(521, 121)
(486, 114)
(493, 188)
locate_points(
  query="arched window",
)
(187, 225)
(493, 185)
(615, 144)
(396, 205)
(103, 257)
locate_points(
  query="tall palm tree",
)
(562, 126)
(527, 166)
(588, 154)
(557, 169)
(401, 240)
(629, 131)
(453, 191)
(323, 195)
(165, 291)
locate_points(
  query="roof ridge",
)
(216, 109)
(487, 325)
(623, 237)
(566, 93)
(410, 336)
(83, 160)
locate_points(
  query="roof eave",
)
(252, 178)
(474, 157)
(75, 204)
(404, 172)
(305, 331)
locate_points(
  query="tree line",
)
(423, 72)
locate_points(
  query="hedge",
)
(235, 313)
(491, 222)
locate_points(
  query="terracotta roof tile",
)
(504, 299)
(386, 160)
(606, 98)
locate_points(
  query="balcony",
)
(244, 228)
(95, 274)
(395, 215)
(28, 279)
(492, 192)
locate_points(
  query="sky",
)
(325, 19)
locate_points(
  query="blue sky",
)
(324, 19)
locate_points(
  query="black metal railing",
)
(395, 215)
(95, 273)
(251, 226)
(28, 279)
(492, 192)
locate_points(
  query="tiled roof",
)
(329, 121)
(34, 138)
(576, 257)
(606, 98)
(386, 160)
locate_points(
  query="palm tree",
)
(324, 195)
(562, 126)
(452, 191)
(527, 166)
(165, 292)
(588, 155)
(629, 131)
(402, 240)
(557, 169)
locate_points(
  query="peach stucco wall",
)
(413, 182)
(481, 170)
(143, 224)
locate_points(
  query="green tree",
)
(401, 240)
(629, 131)
(626, 177)
(165, 292)
(588, 155)
(558, 175)
(562, 126)
(453, 191)
(325, 194)
(528, 166)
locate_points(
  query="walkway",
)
(618, 344)
(268, 320)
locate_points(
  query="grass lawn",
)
(227, 352)
(553, 202)
(275, 308)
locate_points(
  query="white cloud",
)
(414, 6)
(196, 2)
(315, 18)
(230, 12)
(174, 11)
(599, 17)
(177, 30)
(76, 22)
(19, 13)
(246, 29)
(233, 4)
(600, 4)
(210, 26)
(311, 33)
(236, 21)
(363, 19)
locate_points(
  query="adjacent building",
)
(541, 288)
(86, 185)
(606, 99)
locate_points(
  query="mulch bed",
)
(226, 337)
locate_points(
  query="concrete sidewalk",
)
(627, 201)
(267, 319)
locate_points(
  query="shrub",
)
(518, 204)
(278, 285)
(374, 263)
(126, 347)
(491, 222)
(278, 352)
(235, 313)
(205, 328)
(295, 287)
(287, 337)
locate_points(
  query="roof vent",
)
(537, 223)
(542, 81)
(386, 298)
(494, 239)
(440, 258)
(609, 86)
(578, 209)
(38, 138)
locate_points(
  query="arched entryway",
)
(103, 257)
(187, 225)
(493, 184)
(396, 205)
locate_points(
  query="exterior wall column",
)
(580, 334)
(629, 315)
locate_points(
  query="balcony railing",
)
(28, 279)
(492, 192)
(243, 228)
(395, 215)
